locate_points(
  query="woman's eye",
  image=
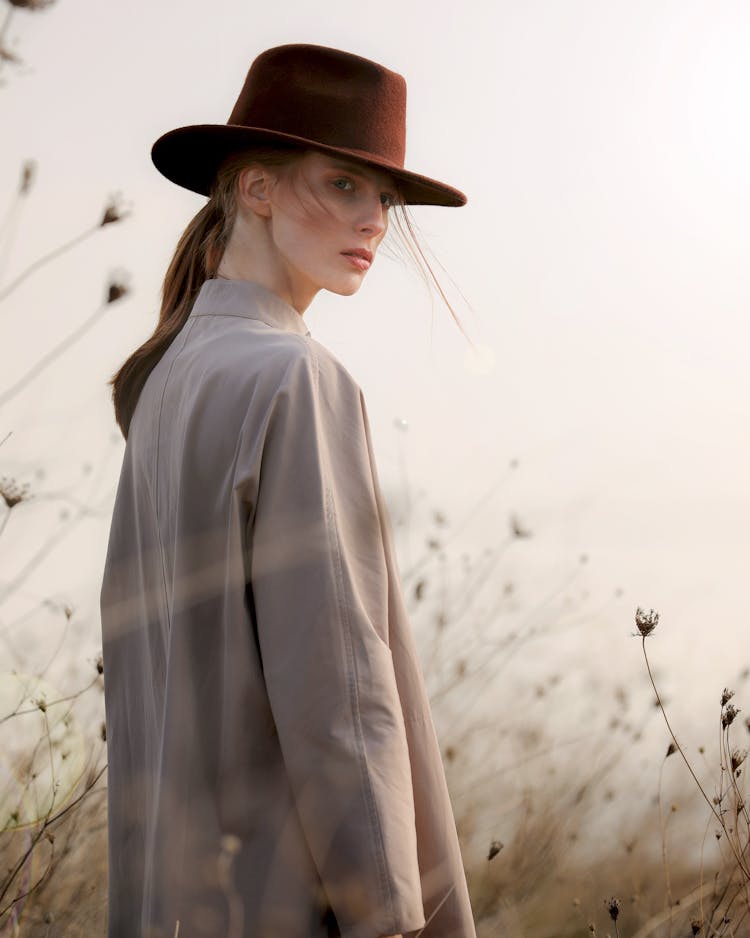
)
(390, 199)
(345, 181)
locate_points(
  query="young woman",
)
(273, 765)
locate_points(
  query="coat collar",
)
(225, 297)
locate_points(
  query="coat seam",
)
(353, 681)
(156, 468)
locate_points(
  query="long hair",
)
(197, 258)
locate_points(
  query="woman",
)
(273, 765)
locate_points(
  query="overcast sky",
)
(601, 264)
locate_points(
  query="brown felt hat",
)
(310, 96)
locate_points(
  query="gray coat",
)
(273, 765)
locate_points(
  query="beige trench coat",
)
(273, 765)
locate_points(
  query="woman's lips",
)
(358, 262)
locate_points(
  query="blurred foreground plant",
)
(47, 775)
(729, 891)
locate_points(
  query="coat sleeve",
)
(320, 587)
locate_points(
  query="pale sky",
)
(603, 254)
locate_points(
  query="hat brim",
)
(190, 157)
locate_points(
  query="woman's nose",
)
(373, 217)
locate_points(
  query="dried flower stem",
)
(46, 823)
(708, 801)
(44, 259)
(53, 354)
(6, 24)
(664, 851)
(51, 703)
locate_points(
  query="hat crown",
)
(305, 96)
(335, 97)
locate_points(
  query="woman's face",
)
(345, 209)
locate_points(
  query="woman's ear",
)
(253, 187)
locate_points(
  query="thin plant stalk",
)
(45, 259)
(708, 801)
(51, 356)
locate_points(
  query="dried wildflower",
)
(517, 528)
(726, 696)
(41, 703)
(7, 56)
(11, 492)
(495, 847)
(113, 212)
(31, 5)
(727, 717)
(28, 171)
(646, 621)
(116, 290)
(671, 750)
(100, 664)
(613, 907)
(738, 757)
(231, 844)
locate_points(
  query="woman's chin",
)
(346, 287)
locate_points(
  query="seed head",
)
(517, 529)
(646, 621)
(727, 717)
(726, 696)
(11, 492)
(113, 211)
(738, 757)
(613, 907)
(231, 844)
(27, 176)
(671, 750)
(495, 847)
(116, 289)
(31, 4)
